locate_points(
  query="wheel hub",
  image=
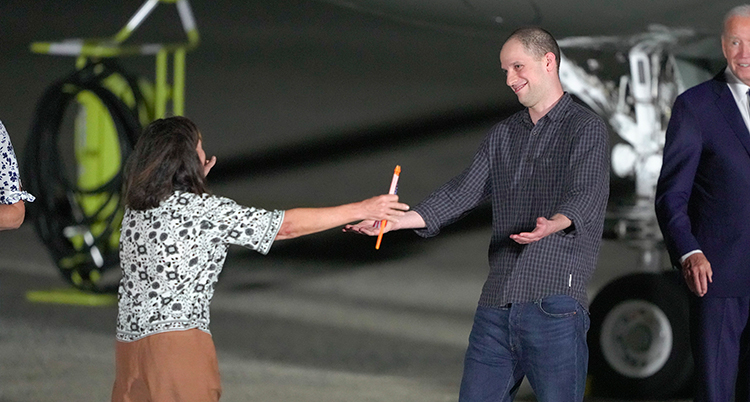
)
(636, 338)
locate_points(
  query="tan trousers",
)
(175, 366)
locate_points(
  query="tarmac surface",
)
(305, 104)
(286, 328)
(321, 318)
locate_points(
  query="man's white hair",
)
(739, 11)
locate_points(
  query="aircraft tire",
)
(639, 339)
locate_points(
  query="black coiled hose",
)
(57, 213)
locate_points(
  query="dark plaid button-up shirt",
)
(560, 165)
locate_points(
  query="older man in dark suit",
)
(703, 207)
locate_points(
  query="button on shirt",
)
(171, 257)
(560, 165)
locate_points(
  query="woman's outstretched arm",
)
(303, 221)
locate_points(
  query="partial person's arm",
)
(682, 153)
(303, 221)
(11, 215)
(12, 196)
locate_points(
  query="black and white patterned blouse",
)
(10, 182)
(171, 257)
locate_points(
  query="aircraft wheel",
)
(639, 338)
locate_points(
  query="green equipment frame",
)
(79, 218)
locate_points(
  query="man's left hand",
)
(544, 227)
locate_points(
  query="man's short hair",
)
(739, 11)
(537, 42)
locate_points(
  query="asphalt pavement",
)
(321, 318)
(287, 327)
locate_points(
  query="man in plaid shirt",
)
(546, 171)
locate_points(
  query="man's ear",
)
(551, 62)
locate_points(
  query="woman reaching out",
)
(173, 244)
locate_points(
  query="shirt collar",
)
(734, 83)
(556, 112)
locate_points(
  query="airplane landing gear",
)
(639, 338)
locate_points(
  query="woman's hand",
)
(382, 207)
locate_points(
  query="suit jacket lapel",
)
(728, 107)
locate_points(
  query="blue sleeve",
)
(682, 153)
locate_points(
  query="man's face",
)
(735, 43)
(525, 74)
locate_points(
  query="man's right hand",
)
(697, 273)
(409, 220)
(368, 227)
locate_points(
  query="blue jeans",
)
(544, 340)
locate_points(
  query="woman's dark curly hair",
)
(164, 160)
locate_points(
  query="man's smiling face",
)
(735, 43)
(525, 74)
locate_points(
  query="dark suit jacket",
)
(703, 193)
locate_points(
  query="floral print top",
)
(171, 257)
(10, 183)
